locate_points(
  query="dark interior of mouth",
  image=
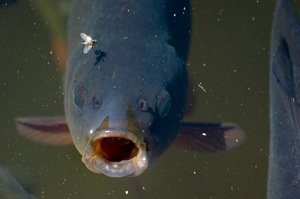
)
(115, 149)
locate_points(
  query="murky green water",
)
(228, 56)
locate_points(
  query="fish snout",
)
(116, 153)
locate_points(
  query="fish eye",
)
(96, 101)
(163, 104)
(143, 105)
(79, 95)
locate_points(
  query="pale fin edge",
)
(47, 130)
(209, 137)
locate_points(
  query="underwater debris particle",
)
(202, 87)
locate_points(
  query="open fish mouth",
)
(115, 153)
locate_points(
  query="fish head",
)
(120, 121)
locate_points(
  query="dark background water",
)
(228, 56)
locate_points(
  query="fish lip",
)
(99, 164)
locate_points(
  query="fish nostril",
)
(115, 149)
(144, 105)
(96, 101)
(163, 103)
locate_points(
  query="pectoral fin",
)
(209, 137)
(48, 130)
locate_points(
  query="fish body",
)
(124, 99)
(139, 86)
(6, 2)
(10, 188)
(284, 161)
